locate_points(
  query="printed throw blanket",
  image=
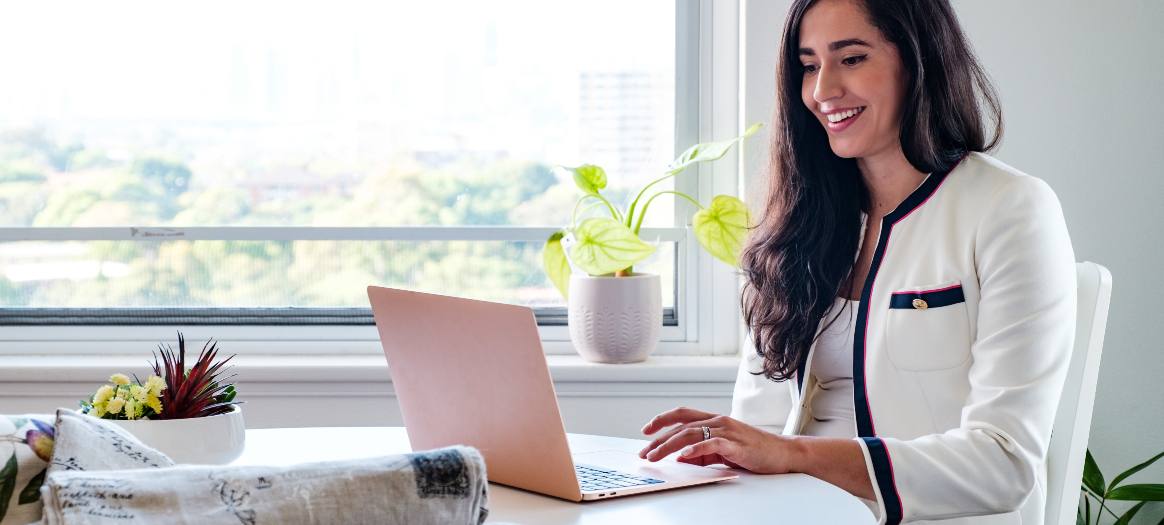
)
(26, 445)
(442, 486)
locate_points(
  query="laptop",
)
(470, 372)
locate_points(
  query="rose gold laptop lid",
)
(512, 413)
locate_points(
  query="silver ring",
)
(706, 433)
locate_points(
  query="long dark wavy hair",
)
(802, 251)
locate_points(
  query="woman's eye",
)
(852, 61)
(810, 68)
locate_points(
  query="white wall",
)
(1082, 85)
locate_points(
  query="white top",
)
(830, 403)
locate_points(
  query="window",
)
(259, 164)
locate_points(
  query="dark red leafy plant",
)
(198, 392)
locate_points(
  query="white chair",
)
(1073, 417)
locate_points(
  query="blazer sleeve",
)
(1026, 328)
(757, 400)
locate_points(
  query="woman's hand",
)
(835, 460)
(732, 443)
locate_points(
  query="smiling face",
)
(854, 81)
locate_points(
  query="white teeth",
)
(837, 117)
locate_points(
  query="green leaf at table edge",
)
(556, 265)
(7, 484)
(1131, 513)
(588, 177)
(1092, 477)
(602, 246)
(707, 151)
(31, 492)
(722, 227)
(1115, 482)
(1138, 492)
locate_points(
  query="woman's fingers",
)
(715, 447)
(674, 417)
(677, 441)
(666, 436)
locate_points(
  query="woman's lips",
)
(840, 126)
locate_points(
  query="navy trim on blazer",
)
(882, 465)
(933, 298)
(883, 469)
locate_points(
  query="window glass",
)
(274, 113)
(279, 113)
(319, 274)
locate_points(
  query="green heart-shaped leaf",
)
(722, 228)
(602, 246)
(588, 177)
(557, 267)
(707, 151)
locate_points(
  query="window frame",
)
(709, 104)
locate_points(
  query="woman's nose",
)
(828, 85)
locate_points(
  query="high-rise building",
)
(626, 122)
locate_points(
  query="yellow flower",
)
(97, 411)
(119, 379)
(155, 385)
(122, 394)
(153, 402)
(132, 409)
(103, 394)
(138, 392)
(114, 406)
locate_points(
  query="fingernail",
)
(687, 452)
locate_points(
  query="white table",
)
(788, 498)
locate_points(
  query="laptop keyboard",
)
(597, 478)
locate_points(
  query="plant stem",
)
(635, 202)
(625, 272)
(574, 222)
(613, 213)
(643, 213)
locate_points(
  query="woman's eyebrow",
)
(841, 44)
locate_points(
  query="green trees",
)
(68, 185)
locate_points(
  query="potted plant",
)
(1094, 489)
(615, 314)
(188, 414)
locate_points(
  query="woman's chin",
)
(845, 149)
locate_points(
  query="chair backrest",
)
(1073, 417)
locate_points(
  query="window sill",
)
(360, 368)
(356, 390)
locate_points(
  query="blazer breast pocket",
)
(928, 327)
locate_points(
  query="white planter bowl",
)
(615, 319)
(214, 440)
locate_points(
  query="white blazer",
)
(963, 335)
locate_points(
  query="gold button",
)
(920, 304)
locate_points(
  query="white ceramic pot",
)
(615, 319)
(213, 440)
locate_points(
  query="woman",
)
(911, 300)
